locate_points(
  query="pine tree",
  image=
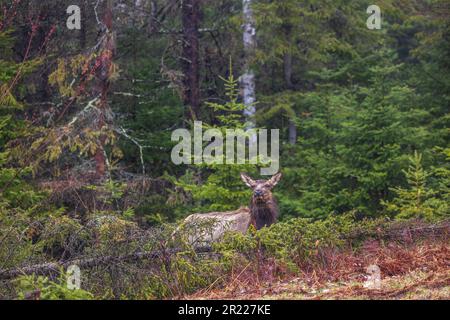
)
(415, 200)
(14, 190)
(222, 188)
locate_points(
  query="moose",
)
(262, 212)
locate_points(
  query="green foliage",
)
(11, 72)
(293, 242)
(229, 114)
(353, 143)
(222, 188)
(150, 105)
(109, 192)
(418, 200)
(185, 274)
(362, 101)
(44, 289)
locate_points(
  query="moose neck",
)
(263, 214)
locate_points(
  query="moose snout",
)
(258, 193)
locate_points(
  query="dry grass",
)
(408, 271)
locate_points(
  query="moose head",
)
(263, 207)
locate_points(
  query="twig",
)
(122, 131)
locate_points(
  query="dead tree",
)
(107, 45)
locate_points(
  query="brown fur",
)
(263, 207)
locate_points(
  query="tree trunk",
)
(248, 78)
(292, 132)
(139, 14)
(190, 59)
(288, 70)
(152, 22)
(288, 80)
(86, 263)
(101, 86)
(84, 27)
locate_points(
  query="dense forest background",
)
(86, 115)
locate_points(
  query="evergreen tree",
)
(418, 200)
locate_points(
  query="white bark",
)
(139, 11)
(248, 78)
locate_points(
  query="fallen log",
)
(400, 231)
(86, 263)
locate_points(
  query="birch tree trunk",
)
(139, 9)
(248, 78)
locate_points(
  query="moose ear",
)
(247, 180)
(272, 182)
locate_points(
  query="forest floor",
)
(418, 272)
(414, 285)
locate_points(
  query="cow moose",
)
(263, 207)
(262, 212)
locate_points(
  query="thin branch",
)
(122, 132)
(90, 105)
